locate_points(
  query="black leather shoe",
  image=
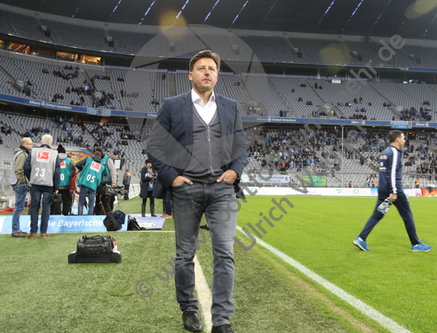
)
(191, 321)
(222, 329)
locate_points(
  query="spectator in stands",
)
(300, 99)
(126, 182)
(281, 113)
(19, 183)
(42, 168)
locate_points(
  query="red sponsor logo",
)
(43, 155)
(95, 166)
(63, 164)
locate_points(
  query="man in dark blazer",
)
(199, 150)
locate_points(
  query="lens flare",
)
(419, 8)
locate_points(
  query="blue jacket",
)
(171, 141)
(145, 181)
(390, 173)
(56, 175)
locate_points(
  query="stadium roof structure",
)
(415, 19)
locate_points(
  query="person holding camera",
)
(90, 178)
(42, 168)
(148, 178)
(104, 201)
(68, 170)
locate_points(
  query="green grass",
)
(41, 292)
(318, 232)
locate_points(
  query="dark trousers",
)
(66, 201)
(35, 198)
(152, 203)
(403, 206)
(126, 188)
(166, 203)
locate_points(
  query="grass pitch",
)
(318, 232)
(42, 293)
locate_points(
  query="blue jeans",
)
(84, 191)
(35, 198)
(190, 202)
(20, 200)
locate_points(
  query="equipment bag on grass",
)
(95, 249)
(114, 220)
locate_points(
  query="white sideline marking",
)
(204, 295)
(355, 302)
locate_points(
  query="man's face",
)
(29, 145)
(149, 165)
(401, 141)
(204, 75)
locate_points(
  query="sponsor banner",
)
(402, 124)
(326, 191)
(60, 223)
(148, 222)
(278, 179)
(99, 112)
(330, 121)
(426, 192)
(74, 108)
(315, 181)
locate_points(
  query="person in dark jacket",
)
(390, 187)
(126, 182)
(148, 178)
(42, 168)
(68, 170)
(20, 184)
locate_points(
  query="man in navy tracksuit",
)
(390, 187)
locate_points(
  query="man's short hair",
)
(24, 141)
(393, 135)
(47, 139)
(205, 54)
(98, 153)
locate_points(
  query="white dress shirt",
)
(206, 111)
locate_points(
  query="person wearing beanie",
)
(68, 170)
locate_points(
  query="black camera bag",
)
(95, 245)
(95, 249)
(111, 223)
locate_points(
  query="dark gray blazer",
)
(171, 140)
